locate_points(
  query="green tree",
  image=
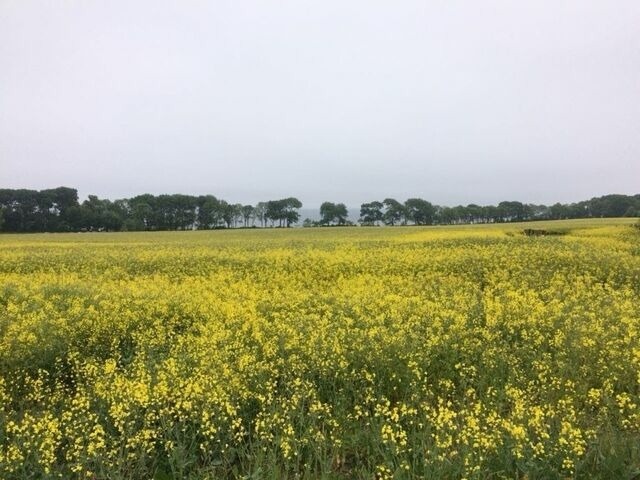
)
(102, 215)
(206, 213)
(21, 208)
(394, 213)
(290, 210)
(247, 214)
(333, 213)
(371, 213)
(142, 213)
(274, 212)
(261, 213)
(226, 213)
(513, 211)
(284, 211)
(237, 214)
(419, 211)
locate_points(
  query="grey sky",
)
(351, 101)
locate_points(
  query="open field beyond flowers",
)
(433, 352)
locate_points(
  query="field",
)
(434, 352)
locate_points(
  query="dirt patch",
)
(533, 232)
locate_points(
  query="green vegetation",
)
(58, 210)
(469, 351)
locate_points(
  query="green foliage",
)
(284, 212)
(371, 213)
(395, 212)
(419, 211)
(380, 353)
(333, 213)
(58, 210)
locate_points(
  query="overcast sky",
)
(346, 100)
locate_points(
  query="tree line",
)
(59, 210)
(417, 211)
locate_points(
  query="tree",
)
(611, 205)
(64, 201)
(291, 207)
(274, 212)
(20, 209)
(284, 211)
(473, 213)
(332, 213)
(164, 213)
(371, 213)
(226, 213)
(394, 213)
(419, 211)
(558, 211)
(513, 211)
(142, 213)
(260, 213)
(326, 212)
(58, 210)
(341, 214)
(184, 207)
(490, 213)
(247, 214)
(102, 215)
(208, 215)
(237, 214)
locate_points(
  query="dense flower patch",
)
(457, 352)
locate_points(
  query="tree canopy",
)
(333, 213)
(59, 210)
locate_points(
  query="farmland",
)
(408, 352)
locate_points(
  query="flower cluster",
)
(457, 352)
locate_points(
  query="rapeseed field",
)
(373, 353)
